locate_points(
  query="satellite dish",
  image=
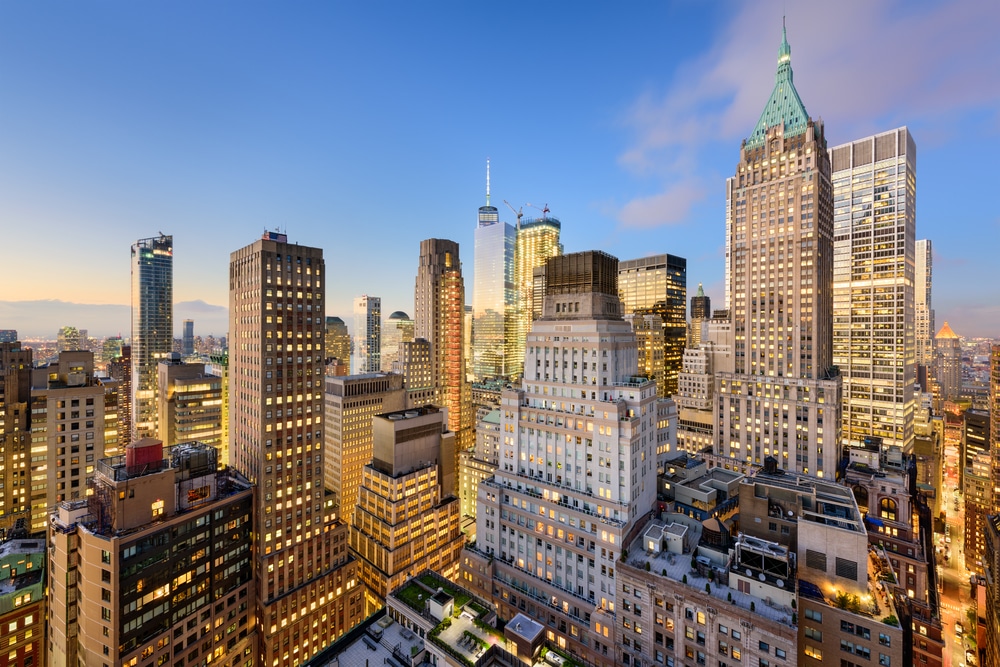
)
(791, 513)
(762, 577)
(781, 583)
(749, 573)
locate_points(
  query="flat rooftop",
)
(397, 642)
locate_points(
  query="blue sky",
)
(363, 128)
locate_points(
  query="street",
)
(952, 574)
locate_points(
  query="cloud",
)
(668, 207)
(863, 67)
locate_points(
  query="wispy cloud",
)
(865, 67)
(665, 208)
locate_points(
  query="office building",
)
(695, 396)
(783, 398)
(479, 463)
(657, 285)
(874, 227)
(417, 369)
(23, 607)
(367, 335)
(338, 341)
(923, 310)
(189, 400)
(308, 593)
(120, 368)
(975, 439)
(112, 400)
(467, 343)
(407, 519)
(650, 338)
(15, 433)
(155, 566)
(350, 403)
(701, 312)
(494, 295)
(537, 241)
(398, 329)
(111, 349)
(187, 338)
(218, 365)
(67, 432)
(152, 326)
(552, 521)
(948, 354)
(440, 319)
(68, 339)
(990, 653)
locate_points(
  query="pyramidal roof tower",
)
(784, 107)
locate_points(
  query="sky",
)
(363, 128)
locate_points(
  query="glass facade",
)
(923, 305)
(367, 335)
(537, 240)
(494, 298)
(657, 285)
(874, 191)
(152, 326)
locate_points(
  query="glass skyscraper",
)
(537, 241)
(367, 357)
(152, 326)
(494, 295)
(874, 231)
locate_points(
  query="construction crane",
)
(519, 212)
(544, 210)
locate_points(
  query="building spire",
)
(487, 181)
(701, 292)
(784, 107)
(784, 50)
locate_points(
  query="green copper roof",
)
(701, 292)
(784, 106)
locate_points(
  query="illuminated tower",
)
(152, 326)
(948, 352)
(398, 329)
(367, 335)
(874, 223)
(276, 357)
(494, 296)
(440, 315)
(537, 240)
(783, 400)
(923, 310)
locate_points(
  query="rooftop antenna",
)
(487, 181)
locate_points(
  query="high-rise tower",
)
(537, 241)
(553, 519)
(701, 312)
(187, 339)
(948, 356)
(308, 592)
(152, 326)
(874, 223)
(783, 400)
(494, 295)
(15, 434)
(440, 319)
(367, 335)
(923, 310)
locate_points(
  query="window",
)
(884, 640)
(883, 660)
(813, 652)
(814, 615)
(780, 653)
(812, 633)
(763, 646)
(887, 509)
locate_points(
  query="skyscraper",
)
(494, 295)
(783, 400)
(874, 228)
(276, 307)
(367, 335)
(582, 477)
(120, 369)
(537, 240)
(190, 403)
(68, 339)
(152, 325)
(187, 338)
(440, 319)
(948, 356)
(701, 312)
(15, 433)
(338, 341)
(657, 285)
(923, 309)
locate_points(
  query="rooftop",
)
(396, 643)
(784, 107)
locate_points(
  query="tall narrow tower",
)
(494, 295)
(874, 222)
(784, 398)
(367, 335)
(152, 326)
(537, 241)
(276, 324)
(923, 309)
(440, 314)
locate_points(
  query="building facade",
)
(152, 326)
(874, 227)
(948, 362)
(187, 338)
(350, 403)
(367, 335)
(494, 295)
(156, 565)
(657, 285)
(23, 606)
(338, 341)
(439, 297)
(398, 329)
(537, 241)
(120, 368)
(923, 310)
(15, 432)
(783, 400)
(577, 465)
(701, 312)
(309, 593)
(189, 401)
